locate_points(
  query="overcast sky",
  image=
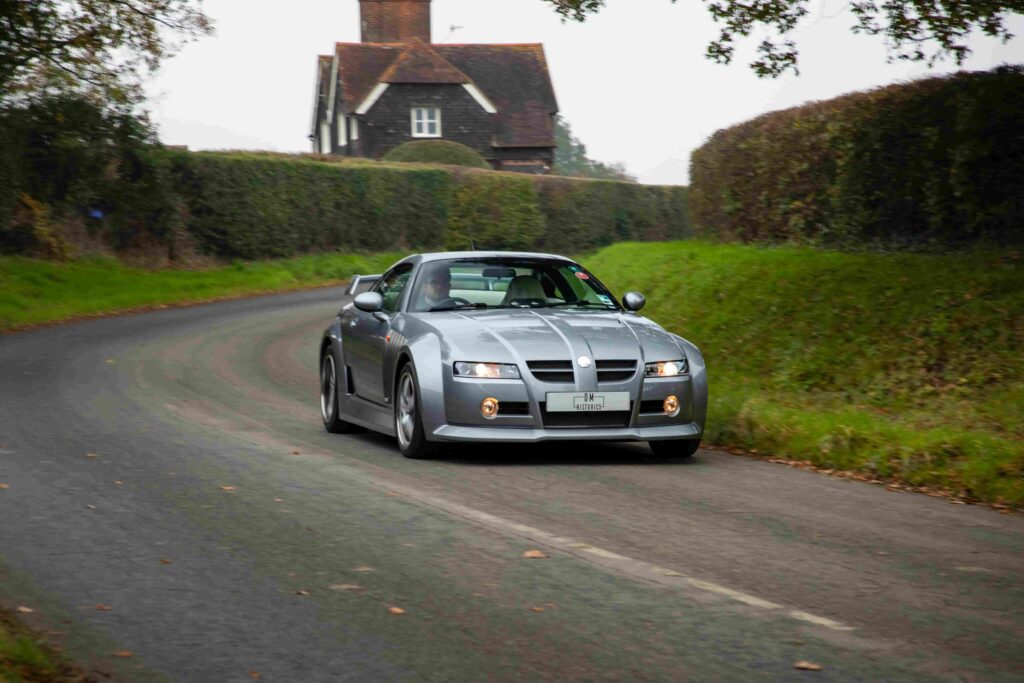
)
(632, 81)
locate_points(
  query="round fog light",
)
(671, 406)
(489, 408)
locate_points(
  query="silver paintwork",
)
(371, 348)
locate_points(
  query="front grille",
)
(649, 407)
(513, 408)
(574, 420)
(552, 370)
(615, 370)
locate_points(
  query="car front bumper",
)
(495, 434)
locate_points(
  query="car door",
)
(365, 335)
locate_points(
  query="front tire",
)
(408, 419)
(675, 448)
(329, 397)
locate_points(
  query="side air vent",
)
(656, 407)
(552, 370)
(514, 408)
(615, 370)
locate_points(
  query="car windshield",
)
(507, 282)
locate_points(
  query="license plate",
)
(587, 401)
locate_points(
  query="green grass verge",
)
(25, 658)
(900, 365)
(34, 292)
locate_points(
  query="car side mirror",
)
(371, 302)
(633, 301)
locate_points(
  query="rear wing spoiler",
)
(361, 283)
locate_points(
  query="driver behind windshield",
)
(437, 286)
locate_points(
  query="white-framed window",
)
(426, 122)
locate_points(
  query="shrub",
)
(102, 176)
(936, 161)
(67, 160)
(437, 152)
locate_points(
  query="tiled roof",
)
(514, 77)
(419, 63)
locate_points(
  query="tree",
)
(909, 26)
(571, 158)
(102, 46)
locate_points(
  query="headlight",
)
(669, 368)
(486, 370)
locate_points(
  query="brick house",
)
(396, 86)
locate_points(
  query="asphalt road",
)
(233, 538)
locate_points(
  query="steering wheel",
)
(460, 300)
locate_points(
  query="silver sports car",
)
(506, 347)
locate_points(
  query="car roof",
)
(446, 255)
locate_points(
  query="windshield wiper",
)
(583, 304)
(454, 307)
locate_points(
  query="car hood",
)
(531, 334)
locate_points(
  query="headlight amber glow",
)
(489, 408)
(671, 406)
(486, 370)
(669, 368)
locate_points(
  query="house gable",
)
(497, 99)
(387, 124)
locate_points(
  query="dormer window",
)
(426, 122)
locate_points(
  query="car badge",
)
(584, 361)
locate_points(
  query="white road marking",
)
(606, 558)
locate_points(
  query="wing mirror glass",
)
(633, 301)
(371, 302)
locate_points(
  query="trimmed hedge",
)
(936, 161)
(437, 152)
(255, 206)
(94, 184)
(250, 206)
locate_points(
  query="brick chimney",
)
(394, 21)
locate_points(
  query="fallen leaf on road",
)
(255, 675)
(227, 488)
(807, 666)
(118, 483)
(396, 610)
(536, 609)
(91, 507)
(279, 500)
(363, 568)
(91, 455)
(25, 610)
(345, 587)
(534, 555)
(295, 452)
(111, 361)
(123, 654)
(103, 608)
(5, 486)
(302, 591)
(164, 560)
